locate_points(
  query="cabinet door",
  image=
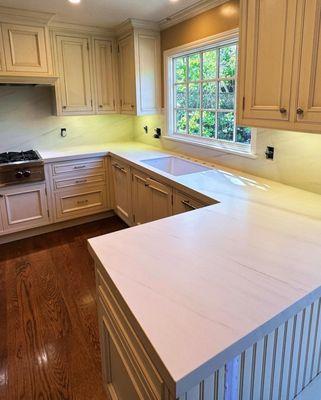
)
(141, 198)
(160, 200)
(267, 53)
(309, 99)
(1, 208)
(147, 49)
(74, 70)
(104, 68)
(183, 203)
(24, 207)
(26, 48)
(126, 59)
(122, 191)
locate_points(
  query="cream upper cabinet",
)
(104, 76)
(127, 75)
(24, 207)
(308, 106)
(267, 54)
(139, 70)
(26, 48)
(74, 86)
(122, 190)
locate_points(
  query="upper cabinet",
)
(280, 65)
(139, 68)
(26, 48)
(24, 43)
(104, 75)
(73, 66)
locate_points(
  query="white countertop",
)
(206, 284)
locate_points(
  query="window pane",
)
(243, 135)
(208, 124)
(209, 95)
(209, 64)
(180, 69)
(181, 121)
(194, 67)
(225, 125)
(194, 118)
(228, 61)
(227, 94)
(194, 95)
(181, 96)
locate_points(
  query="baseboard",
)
(54, 227)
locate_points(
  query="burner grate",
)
(15, 156)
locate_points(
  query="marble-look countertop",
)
(206, 284)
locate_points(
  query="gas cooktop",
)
(17, 157)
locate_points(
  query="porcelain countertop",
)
(207, 284)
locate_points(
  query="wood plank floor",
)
(49, 345)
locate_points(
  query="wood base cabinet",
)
(280, 63)
(23, 207)
(128, 370)
(122, 190)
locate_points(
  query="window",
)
(201, 98)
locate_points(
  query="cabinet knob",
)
(299, 111)
(283, 110)
(64, 107)
(100, 106)
(1, 196)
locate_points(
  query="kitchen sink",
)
(175, 166)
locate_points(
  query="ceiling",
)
(105, 13)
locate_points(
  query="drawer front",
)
(183, 203)
(74, 203)
(92, 165)
(78, 181)
(138, 358)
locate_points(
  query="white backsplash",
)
(27, 121)
(297, 155)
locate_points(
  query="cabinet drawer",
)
(183, 203)
(81, 180)
(92, 165)
(75, 203)
(139, 360)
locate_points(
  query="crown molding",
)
(8, 14)
(68, 27)
(189, 12)
(130, 24)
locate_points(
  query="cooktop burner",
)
(15, 156)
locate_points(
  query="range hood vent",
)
(27, 80)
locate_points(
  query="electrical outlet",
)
(146, 129)
(63, 132)
(269, 153)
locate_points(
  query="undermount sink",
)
(175, 166)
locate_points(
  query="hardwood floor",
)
(49, 345)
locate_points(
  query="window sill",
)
(216, 146)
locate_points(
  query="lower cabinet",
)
(128, 371)
(151, 199)
(122, 190)
(182, 202)
(23, 207)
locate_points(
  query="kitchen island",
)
(222, 302)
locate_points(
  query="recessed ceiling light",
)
(74, 1)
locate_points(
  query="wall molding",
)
(189, 12)
(9, 14)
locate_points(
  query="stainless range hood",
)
(28, 80)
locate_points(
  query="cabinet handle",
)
(81, 181)
(1, 196)
(187, 203)
(132, 106)
(64, 107)
(79, 166)
(300, 111)
(283, 110)
(119, 167)
(79, 202)
(100, 106)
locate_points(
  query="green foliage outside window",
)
(205, 95)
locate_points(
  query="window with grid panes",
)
(204, 100)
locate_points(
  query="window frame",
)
(222, 39)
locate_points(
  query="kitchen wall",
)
(297, 155)
(27, 121)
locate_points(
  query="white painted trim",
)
(67, 27)
(190, 12)
(202, 44)
(213, 146)
(131, 24)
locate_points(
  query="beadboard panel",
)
(280, 366)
